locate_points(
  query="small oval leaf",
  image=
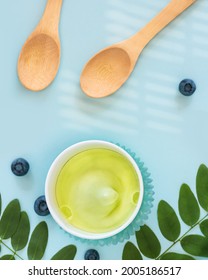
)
(148, 242)
(204, 227)
(0, 205)
(131, 252)
(202, 186)
(7, 258)
(176, 256)
(196, 245)
(168, 221)
(38, 242)
(20, 238)
(188, 206)
(66, 253)
(10, 219)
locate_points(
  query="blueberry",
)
(41, 207)
(187, 87)
(20, 167)
(92, 255)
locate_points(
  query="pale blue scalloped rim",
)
(142, 215)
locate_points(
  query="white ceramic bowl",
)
(51, 180)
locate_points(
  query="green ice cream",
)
(97, 190)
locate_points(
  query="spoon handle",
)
(168, 14)
(50, 20)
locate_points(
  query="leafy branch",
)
(15, 226)
(190, 209)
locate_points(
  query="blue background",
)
(167, 130)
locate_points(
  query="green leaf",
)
(148, 242)
(168, 221)
(20, 238)
(10, 219)
(66, 253)
(188, 206)
(196, 245)
(0, 204)
(131, 252)
(38, 242)
(7, 258)
(204, 227)
(176, 256)
(202, 186)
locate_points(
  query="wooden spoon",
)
(109, 69)
(39, 59)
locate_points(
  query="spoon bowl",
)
(108, 70)
(39, 58)
(39, 62)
